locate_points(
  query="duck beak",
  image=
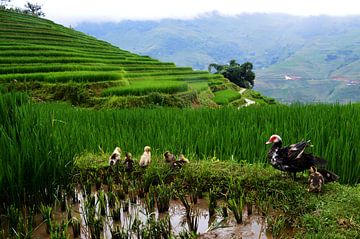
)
(268, 142)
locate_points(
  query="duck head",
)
(147, 149)
(274, 139)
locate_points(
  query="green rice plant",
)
(116, 213)
(70, 76)
(235, 206)
(144, 87)
(59, 230)
(150, 201)
(224, 97)
(112, 199)
(235, 199)
(119, 233)
(213, 192)
(46, 212)
(132, 195)
(102, 202)
(75, 224)
(163, 196)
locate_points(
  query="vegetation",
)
(241, 75)
(52, 62)
(59, 132)
(266, 40)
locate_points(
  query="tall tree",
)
(241, 75)
(34, 9)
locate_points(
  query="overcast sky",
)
(71, 12)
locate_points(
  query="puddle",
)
(215, 227)
(253, 226)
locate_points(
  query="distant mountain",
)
(295, 58)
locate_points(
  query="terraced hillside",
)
(53, 62)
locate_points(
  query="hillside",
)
(53, 62)
(321, 52)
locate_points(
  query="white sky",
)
(71, 12)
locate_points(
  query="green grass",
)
(144, 87)
(34, 50)
(52, 77)
(224, 97)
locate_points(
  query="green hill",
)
(322, 52)
(53, 62)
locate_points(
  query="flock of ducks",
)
(145, 159)
(291, 159)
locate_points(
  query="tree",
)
(241, 75)
(4, 3)
(33, 9)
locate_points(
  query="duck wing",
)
(295, 151)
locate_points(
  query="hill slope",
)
(53, 62)
(321, 52)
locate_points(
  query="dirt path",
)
(248, 101)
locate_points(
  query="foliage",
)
(241, 75)
(34, 9)
(223, 97)
(38, 54)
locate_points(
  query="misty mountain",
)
(295, 58)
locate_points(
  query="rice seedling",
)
(235, 199)
(59, 230)
(132, 195)
(150, 201)
(112, 199)
(75, 224)
(163, 196)
(213, 192)
(119, 233)
(102, 202)
(46, 212)
(116, 213)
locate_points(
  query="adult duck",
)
(294, 159)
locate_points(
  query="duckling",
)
(128, 162)
(169, 157)
(179, 163)
(145, 159)
(115, 156)
(316, 180)
(182, 159)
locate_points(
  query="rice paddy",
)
(55, 181)
(41, 52)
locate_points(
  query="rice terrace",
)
(68, 100)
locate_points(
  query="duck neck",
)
(277, 145)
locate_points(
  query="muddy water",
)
(253, 226)
(215, 227)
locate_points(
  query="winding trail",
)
(248, 101)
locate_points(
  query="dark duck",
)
(294, 159)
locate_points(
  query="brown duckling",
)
(128, 162)
(316, 180)
(169, 157)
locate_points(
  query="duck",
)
(182, 159)
(145, 159)
(180, 162)
(316, 180)
(294, 159)
(128, 162)
(115, 156)
(169, 157)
